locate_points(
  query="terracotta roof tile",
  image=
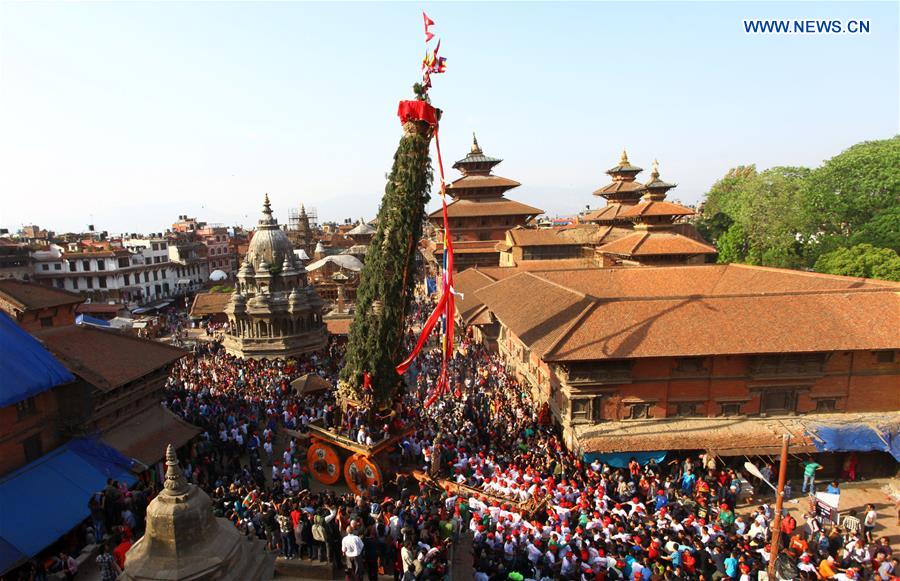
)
(499, 206)
(36, 296)
(536, 310)
(144, 436)
(338, 326)
(620, 187)
(656, 209)
(656, 243)
(467, 282)
(104, 358)
(209, 304)
(695, 326)
(472, 181)
(693, 310)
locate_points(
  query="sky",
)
(128, 114)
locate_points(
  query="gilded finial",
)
(624, 159)
(655, 172)
(475, 147)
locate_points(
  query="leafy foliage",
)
(793, 216)
(862, 260)
(388, 275)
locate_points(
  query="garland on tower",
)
(444, 310)
(387, 280)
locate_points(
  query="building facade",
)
(721, 344)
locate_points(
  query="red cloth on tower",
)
(417, 111)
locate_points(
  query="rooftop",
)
(106, 359)
(206, 304)
(26, 295)
(655, 208)
(656, 243)
(500, 206)
(623, 313)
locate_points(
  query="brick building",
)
(35, 388)
(120, 380)
(479, 214)
(218, 249)
(605, 348)
(35, 306)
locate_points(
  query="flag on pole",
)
(428, 22)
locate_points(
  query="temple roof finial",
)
(475, 147)
(267, 206)
(176, 484)
(624, 159)
(655, 172)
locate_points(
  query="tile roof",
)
(467, 282)
(723, 436)
(656, 209)
(575, 234)
(620, 313)
(481, 181)
(620, 187)
(534, 309)
(499, 206)
(106, 359)
(209, 304)
(36, 296)
(695, 326)
(608, 212)
(656, 243)
(338, 326)
(144, 436)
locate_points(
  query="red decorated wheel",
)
(324, 463)
(360, 472)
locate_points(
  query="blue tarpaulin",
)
(26, 367)
(856, 438)
(47, 498)
(92, 321)
(621, 459)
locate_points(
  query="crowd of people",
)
(502, 476)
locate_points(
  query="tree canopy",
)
(796, 217)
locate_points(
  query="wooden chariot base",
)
(526, 508)
(332, 455)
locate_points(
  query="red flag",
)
(428, 22)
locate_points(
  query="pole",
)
(779, 504)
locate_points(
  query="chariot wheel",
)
(324, 463)
(360, 472)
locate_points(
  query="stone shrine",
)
(274, 311)
(185, 541)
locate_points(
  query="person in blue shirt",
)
(662, 500)
(834, 487)
(731, 565)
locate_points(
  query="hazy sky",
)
(127, 114)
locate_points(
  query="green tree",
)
(883, 230)
(733, 245)
(388, 275)
(863, 260)
(850, 189)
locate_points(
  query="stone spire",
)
(267, 219)
(176, 484)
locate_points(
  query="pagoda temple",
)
(659, 238)
(624, 191)
(274, 311)
(479, 214)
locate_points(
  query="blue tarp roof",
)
(49, 497)
(89, 320)
(26, 367)
(856, 438)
